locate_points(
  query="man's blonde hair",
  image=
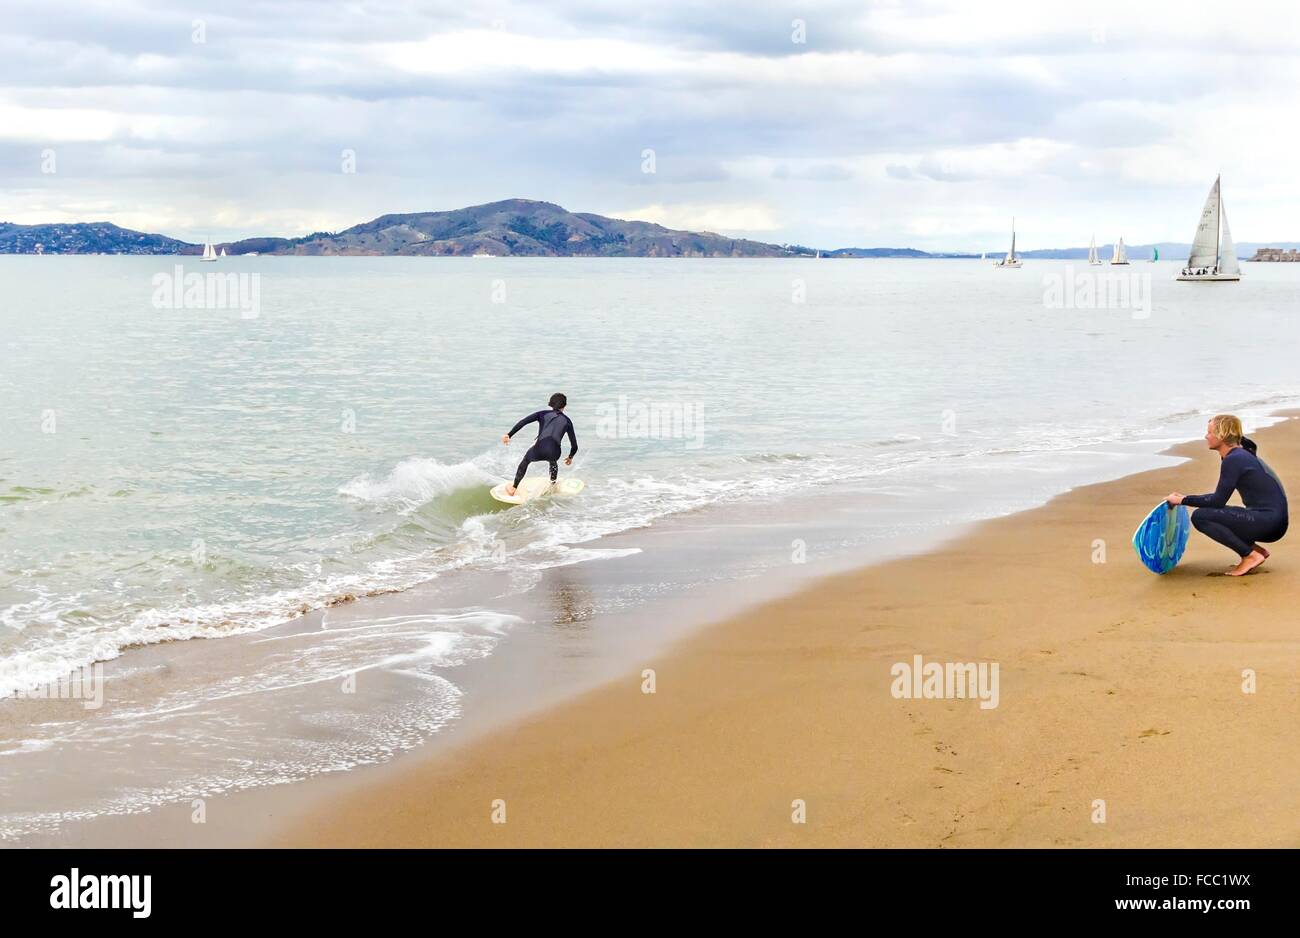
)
(1227, 428)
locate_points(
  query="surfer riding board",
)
(552, 426)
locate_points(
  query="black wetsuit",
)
(553, 426)
(1263, 519)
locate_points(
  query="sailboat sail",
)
(1213, 255)
(1228, 263)
(1011, 260)
(1092, 251)
(1205, 247)
(208, 253)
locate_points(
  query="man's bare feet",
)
(1261, 550)
(1248, 563)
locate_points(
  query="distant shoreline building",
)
(1276, 255)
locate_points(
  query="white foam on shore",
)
(318, 702)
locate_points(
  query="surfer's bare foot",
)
(1257, 548)
(510, 490)
(1248, 563)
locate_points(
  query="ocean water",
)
(169, 474)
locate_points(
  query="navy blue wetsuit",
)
(1263, 519)
(553, 426)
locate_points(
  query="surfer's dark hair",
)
(558, 401)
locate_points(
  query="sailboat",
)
(1120, 256)
(1213, 256)
(223, 252)
(1155, 254)
(1011, 260)
(1092, 252)
(208, 253)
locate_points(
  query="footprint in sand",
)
(924, 730)
(1145, 733)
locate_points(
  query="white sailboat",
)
(1011, 260)
(209, 254)
(1213, 256)
(1120, 256)
(223, 252)
(1092, 252)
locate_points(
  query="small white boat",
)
(223, 252)
(1120, 256)
(1092, 253)
(209, 253)
(1213, 256)
(1011, 260)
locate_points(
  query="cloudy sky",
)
(924, 124)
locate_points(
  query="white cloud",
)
(57, 125)
(733, 218)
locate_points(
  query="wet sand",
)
(1115, 686)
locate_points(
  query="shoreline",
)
(1116, 686)
(574, 648)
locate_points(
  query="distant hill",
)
(84, 238)
(520, 227)
(1169, 251)
(887, 252)
(514, 227)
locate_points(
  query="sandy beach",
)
(1116, 686)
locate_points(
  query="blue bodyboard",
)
(1161, 538)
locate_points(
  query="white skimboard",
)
(536, 488)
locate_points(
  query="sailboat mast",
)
(1218, 228)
